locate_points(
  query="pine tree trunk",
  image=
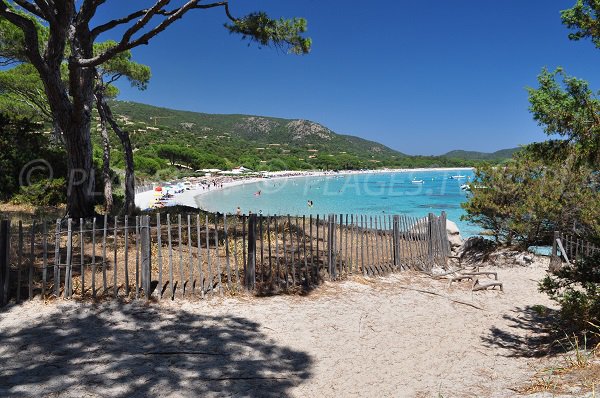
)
(81, 179)
(129, 207)
(108, 192)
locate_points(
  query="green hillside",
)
(503, 154)
(168, 142)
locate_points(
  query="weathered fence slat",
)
(69, 270)
(159, 288)
(137, 257)
(44, 261)
(146, 255)
(31, 263)
(199, 252)
(180, 284)
(278, 274)
(285, 257)
(115, 248)
(307, 278)
(170, 243)
(270, 273)
(104, 258)
(244, 259)
(227, 260)
(292, 259)
(82, 256)
(236, 262)
(208, 262)
(250, 275)
(190, 282)
(4, 261)
(218, 257)
(19, 260)
(57, 257)
(262, 264)
(126, 254)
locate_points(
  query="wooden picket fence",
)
(168, 256)
(566, 249)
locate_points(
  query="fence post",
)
(146, 253)
(395, 240)
(4, 260)
(330, 245)
(554, 259)
(444, 236)
(430, 219)
(249, 277)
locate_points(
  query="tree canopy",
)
(58, 36)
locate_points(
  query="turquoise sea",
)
(370, 194)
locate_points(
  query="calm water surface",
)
(370, 194)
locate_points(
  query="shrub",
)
(577, 289)
(43, 193)
(524, 202)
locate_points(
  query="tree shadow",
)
(529, 334)
(139, 350)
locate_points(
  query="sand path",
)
(355, 338)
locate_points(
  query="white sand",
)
(144, 199)
(368, 338)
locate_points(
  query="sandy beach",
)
(187, 198)
(362, 337)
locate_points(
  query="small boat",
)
(465, 187)
(415, 181)
(458, 177)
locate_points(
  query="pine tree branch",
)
(127, 41)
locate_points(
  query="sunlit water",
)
(368, 194)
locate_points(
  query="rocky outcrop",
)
(453, 233)
(303, 129)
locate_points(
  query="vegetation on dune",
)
(554, 185)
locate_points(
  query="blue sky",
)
(423, 77)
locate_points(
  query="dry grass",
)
(578, 371)
(28, 213)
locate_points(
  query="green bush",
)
(146, 165)
(43, 193)
(577, 289)
(523, 203)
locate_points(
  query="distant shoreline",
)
(187, 198)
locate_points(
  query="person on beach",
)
(238, 211)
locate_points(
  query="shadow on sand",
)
(137, 350)
(529, 334)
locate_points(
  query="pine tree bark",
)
(108, 191)
(129, 206)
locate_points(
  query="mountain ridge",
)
(163, 139)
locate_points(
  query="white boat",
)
(458, 177)
(465, 187)
(418, 182)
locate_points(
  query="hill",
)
(166, 141)
(503, 154)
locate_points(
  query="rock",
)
(453, 233)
